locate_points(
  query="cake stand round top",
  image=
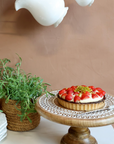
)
(49, 108)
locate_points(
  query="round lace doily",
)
(49, 105)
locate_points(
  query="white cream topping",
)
(88, 100)
(91, 100)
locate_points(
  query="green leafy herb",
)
(15, 84)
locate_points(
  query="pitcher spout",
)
(61, 17)
(85, 2)
(17, 7)
(19, 4)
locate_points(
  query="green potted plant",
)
(18, 92)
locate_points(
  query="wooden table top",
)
(49, 108)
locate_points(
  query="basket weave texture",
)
(13, 120)
(0, 104)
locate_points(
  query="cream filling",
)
(91, 100)
(88, 100)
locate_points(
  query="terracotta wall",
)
(79, 51)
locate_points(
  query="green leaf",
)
(18, 108)
(50, 93)
(31, 111)
(7, 99)
(16, 84)
(29, 119)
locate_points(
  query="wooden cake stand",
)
(79, 121)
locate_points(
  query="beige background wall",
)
(79, 51)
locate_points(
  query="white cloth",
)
(3, 126)
(49, 132)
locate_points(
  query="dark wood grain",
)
(78, 135)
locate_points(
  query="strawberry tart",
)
(81, 97)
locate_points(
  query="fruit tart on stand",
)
(84, 98)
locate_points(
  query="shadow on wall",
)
(6, 5)
(19, 23)
(78, 17)
(22, 23)
(25, 23)
(45, 41)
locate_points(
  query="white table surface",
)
(49, 132)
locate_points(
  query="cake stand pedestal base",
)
(78, 135)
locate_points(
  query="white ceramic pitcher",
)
(85, 2)
(46, 12)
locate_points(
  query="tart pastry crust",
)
(81, 106)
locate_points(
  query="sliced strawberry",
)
(76, 98)
(76, 86)
(92, 87)
(70, 92)
(63, 96)
(76, 93)
(85, 95)
(100, 94)
(94, 96)
(94, 90)
(62, 91)
(69, 89)
(69, 97)
(73, 87)
(98, 88)
(103, 92)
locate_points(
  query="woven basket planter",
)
(0, 104)
(13, 120)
